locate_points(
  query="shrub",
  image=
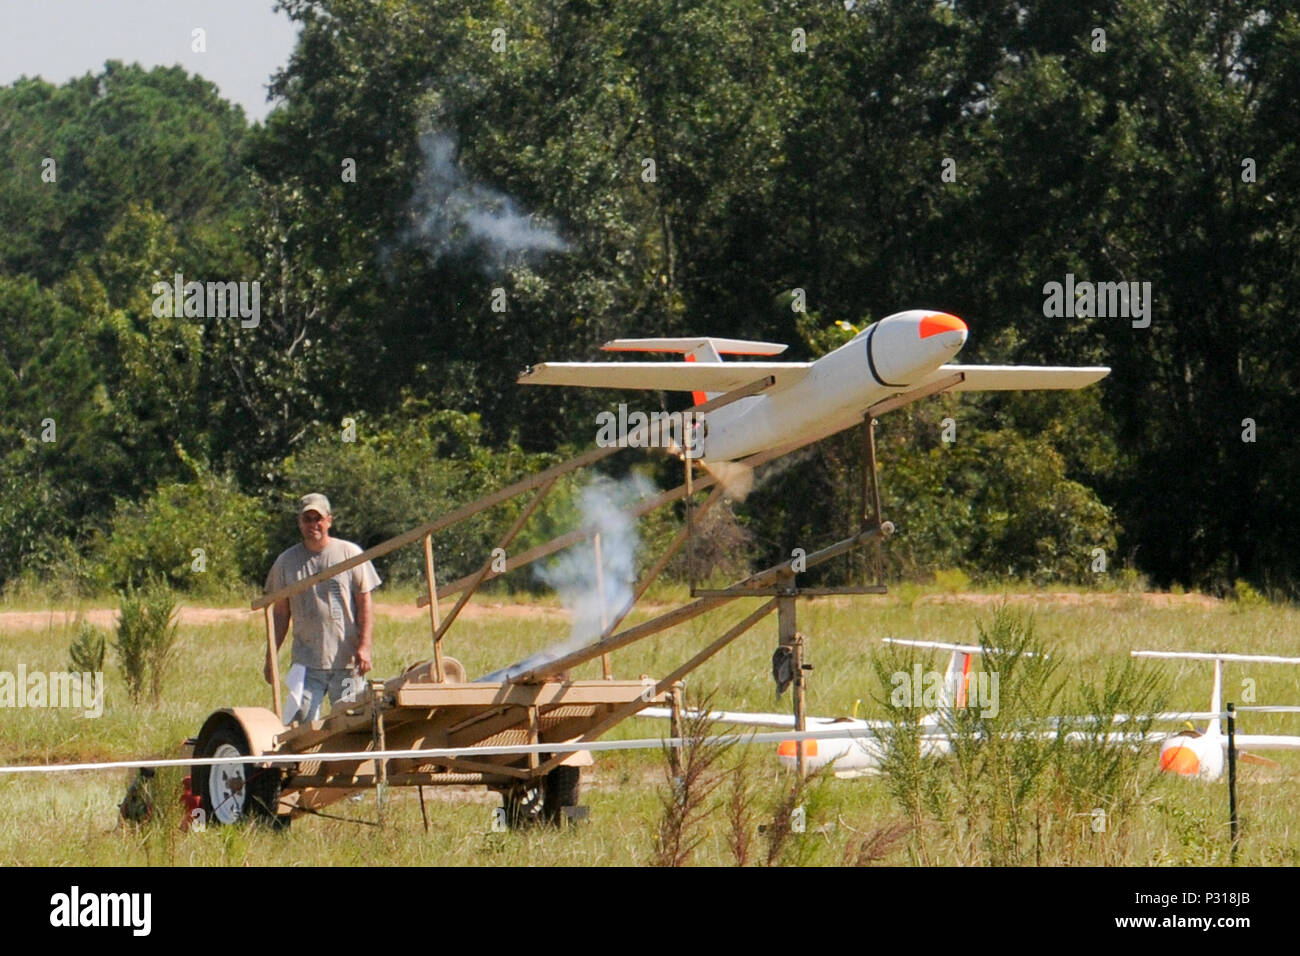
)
(952, 580)
(999, 504)
(86, 653)
(692, 780)
(1017, 783)
(1247, 596)
(33, 523)
(146, 636)
(201, 536)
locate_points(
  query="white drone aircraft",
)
(862, 755)
(901, 355)
(1188, 753)
(1191, 753)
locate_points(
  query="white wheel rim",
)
(530, 801)
(226, 785)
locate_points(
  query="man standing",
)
(332, 620)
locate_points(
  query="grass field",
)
(71, 819)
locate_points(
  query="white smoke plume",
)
(595, 599)
(450, 213)
(774, 469)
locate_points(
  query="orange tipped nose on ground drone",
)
(938, 322)
(788, 748)
(1180, 760)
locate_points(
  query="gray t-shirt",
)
(324, 616)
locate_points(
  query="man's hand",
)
(363, 660)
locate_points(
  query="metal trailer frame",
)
(432, 706)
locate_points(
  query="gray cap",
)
(314, 502)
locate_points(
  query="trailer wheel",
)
(562, 785)
(544, 801)
(234, 791)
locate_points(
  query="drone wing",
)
(669, 376)
(1006, 378)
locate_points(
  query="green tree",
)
(116, 137)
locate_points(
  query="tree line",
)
(448, 192)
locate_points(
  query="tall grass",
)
(86, 652)
(146, 637)
(73, 819)
(1010, 784)
(692, 780)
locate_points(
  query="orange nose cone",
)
(938, 322)
(1180, 760)
(788, 749)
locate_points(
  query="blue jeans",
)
(343, 684)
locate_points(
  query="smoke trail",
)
(775, 469)
(450, 213)
(595, 599)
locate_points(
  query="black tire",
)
(231, 795)
(544, 802)
(561, 790)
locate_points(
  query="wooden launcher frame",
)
(428, 707)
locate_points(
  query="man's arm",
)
(365, 627)
(280, 614)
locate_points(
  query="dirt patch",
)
(406, 612)
(1076, 599)
(15, 621)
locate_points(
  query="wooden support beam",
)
(380, 741)
(654, 571)
(694, 609)
(364, 780)
(504, 543)
(770, 580)
(495, 498)
(275, 664)
(573, 537)
(843, 589)
(434, 617)
(800, 704)
(675, 729)
(615, 641)
(689, 464)
(303, 736)
(907, 398)
(605, 670)
(871, 493)
(678, 540)
(482, 696)
(534, 737)
(788, 636)
(557, 544)
(622, 713)
(465, 764)
(643, 508)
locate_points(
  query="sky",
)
(57, 40)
